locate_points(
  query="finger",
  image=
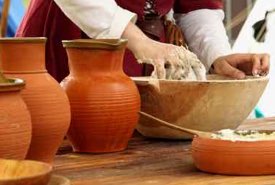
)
(159, 67)
(199, 70)
(154, 74)
(265, 64)
(240, 57)
(228, 70)
(256, 68)
(191, 75)
(145, 61)
(168, 72)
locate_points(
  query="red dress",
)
(45, 19)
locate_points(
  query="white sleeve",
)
(97, 18)
(205, 33)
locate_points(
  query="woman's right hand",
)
(183, 64)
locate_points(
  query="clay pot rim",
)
(46, 165)
(23, 40)
(108, 44)
(14, 84)
(211, 81)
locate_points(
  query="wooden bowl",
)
(215, 104)
(59, 180)
(234, 158)
(25, 172)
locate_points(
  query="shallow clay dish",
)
(234, 158)
(211, 105)
(25, 172)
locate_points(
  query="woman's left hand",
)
(239, 65)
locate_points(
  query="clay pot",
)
(104, 101)
(234, 158)
(15, 121)
(48, 104)
(215, 104)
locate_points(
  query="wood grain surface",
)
(150, 162)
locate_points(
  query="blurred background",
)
(236, 13)
(248, 25)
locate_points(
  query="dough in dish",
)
(243, 135)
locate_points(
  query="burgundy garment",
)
(137, 6)
(185, 6)
(163, 6)
(45, 19)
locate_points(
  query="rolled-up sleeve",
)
(98, 19)
(204, 29)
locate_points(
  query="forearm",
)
(205, 34)
(98, 19)
(134, 36)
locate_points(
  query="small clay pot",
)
(48, 104)
(234, 157)
(104, 100)
(15, 121)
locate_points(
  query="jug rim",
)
(23, 39)
(109, 44)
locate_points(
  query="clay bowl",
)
(234, 157)
(24, 172)
(215, 104)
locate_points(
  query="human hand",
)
(182, 63)
(239, 65)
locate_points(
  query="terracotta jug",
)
(15, 121)
(104, 100)
(48, 104)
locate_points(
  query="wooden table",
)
(150, 162)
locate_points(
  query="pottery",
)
(212, 105)
(234, 158)
(104, 100)
(24, 172)
(15, 121)
(47, 102)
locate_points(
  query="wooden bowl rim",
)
(60, 178)
(211, 81)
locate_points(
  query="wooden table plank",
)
(152, 162)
